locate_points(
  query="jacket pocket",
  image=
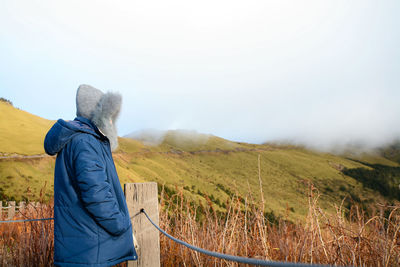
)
(74, 222)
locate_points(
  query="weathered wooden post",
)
(138, 196)
(11, 209)
(21, 206)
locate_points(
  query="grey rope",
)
(29, 220)
(245, 260)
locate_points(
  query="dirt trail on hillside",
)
(172, 151)
(19, 156)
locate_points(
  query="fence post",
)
(22, 205)
(138, 196)
(1, 209)
(11, 209)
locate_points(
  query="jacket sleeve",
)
(95, 189)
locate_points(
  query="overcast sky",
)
(319, 72)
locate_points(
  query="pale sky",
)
(322, 73)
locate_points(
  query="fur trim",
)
(107, 109)
(100, 108)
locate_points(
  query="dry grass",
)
(28, 243)
(348, 237)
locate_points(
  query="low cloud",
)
(149, 137)
(154, 137)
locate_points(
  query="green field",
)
(20, 131)
(198, 165)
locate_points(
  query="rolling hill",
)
(20, 131)
(200, 166)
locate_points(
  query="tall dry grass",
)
(347, 237)
(28, 243)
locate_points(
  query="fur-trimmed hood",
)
(101, 108)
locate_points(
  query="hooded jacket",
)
(92, 226)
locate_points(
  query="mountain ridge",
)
(212, 168)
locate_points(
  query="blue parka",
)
(91, 219)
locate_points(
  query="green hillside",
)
(200, 166)
(392, 151)
(20, 131)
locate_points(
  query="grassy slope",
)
(25, 178)
(392, 151)
(284, 170)
(20, 131)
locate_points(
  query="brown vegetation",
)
(348, 237)
(28, 243)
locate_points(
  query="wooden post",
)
(11, 209)
(22, 205)
(1, 210)
(138, 196)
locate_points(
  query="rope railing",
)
(228, 257)
(27, 220)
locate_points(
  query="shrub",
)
(328, 189)
(2, 99)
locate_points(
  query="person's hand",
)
(135, 243)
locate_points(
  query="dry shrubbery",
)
(347, 237)
(28, 243)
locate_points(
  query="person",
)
(92, 226)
